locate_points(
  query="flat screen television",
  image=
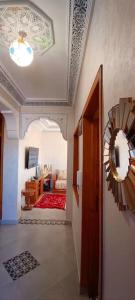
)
(31, 157)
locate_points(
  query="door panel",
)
(90, 254)
(92, 193)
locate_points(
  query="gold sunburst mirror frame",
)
(119, 153)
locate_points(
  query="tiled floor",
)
(52, 246)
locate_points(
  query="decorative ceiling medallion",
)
(119, 153)
(16, 16)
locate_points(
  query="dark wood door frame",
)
(1, 160)
(92, 197)
(77, 134)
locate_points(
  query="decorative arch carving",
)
(59, 118)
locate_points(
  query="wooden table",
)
(37, 186)
(28, 193)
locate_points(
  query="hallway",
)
(52, 246)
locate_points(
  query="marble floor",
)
(54, 278)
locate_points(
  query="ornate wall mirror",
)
(119, 153)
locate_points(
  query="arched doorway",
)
(1, 160)
(45, 135)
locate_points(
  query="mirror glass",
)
(120, 155)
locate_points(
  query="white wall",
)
(10, 180)
(33, 138)
(54, 150)
(111, 42)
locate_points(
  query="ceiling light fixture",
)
(20, 51)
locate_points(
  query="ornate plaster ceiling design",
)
(25, 16)
(80, 14)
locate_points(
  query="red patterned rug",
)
(52, 201)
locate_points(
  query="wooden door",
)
(1, 159)
(91, 251)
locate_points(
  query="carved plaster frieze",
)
(81, 13)
(59, 118)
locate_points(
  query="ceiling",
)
(52, 77)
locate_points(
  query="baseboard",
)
(8, 222)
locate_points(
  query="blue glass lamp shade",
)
(21, 53)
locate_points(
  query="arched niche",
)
(60, 119)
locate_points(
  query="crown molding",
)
(46, 99)
(46, 102)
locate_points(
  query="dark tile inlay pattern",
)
(20, 265)
(44, 222)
